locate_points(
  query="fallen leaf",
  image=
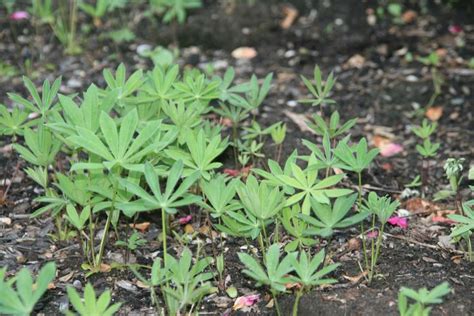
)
(293, 285)
(434, 113)
(142, 227)
(356, 278)
(386, 146)
(291, 13)
(441, 217)
(245, 301)
(356, 61)
(399, 221)
(299, 120)
(5, 221)
(105, 268)
(353, 244)
(409, 16)
(67, 277)
(142, 285)
(188, 229)
(418, 205)
(51, 286)
(244, 53)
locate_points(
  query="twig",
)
(436, 247)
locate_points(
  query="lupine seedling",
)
(422, 299)
(91, 305)
(464, 227)
(297, 228)
(13, 123)
(381, 209)
(20, 293)
(99, 10)
(174, 196)
(262, 202)
(320, 89)
(310, 272)
(220, 195)
(334, 129)
(427, 149)
(329, 217)
(273, 273)
(41, 147)
(278, 134)
(453, 170)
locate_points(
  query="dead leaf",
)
(204, 230)
(245, 301)
(142, 227)
(441, 52)
(299, 120)
(141, 285)
(353, 244)
(409, 16)
(189, 229)
(105, 268)
(244, 53)
(293, 285)
(67, 277)
(386, 146)
(419, 205)
(291, 14)
(441, 217)
(5, 221)
(356, 61)
(51, 286)
(357, 278)
(434, 113)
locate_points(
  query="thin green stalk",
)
(103, 239)
(359, 206)
(297, 301)
(163, 234)
(277, 306)
(265, 234)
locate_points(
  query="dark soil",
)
(383, 93)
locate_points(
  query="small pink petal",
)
(185, 220)
(245, 301)
(19, 15)
(399, 221)
(391, 149)
(455, 29)
(372, 234)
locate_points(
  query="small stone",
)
(77, 284)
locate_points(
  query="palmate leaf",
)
(22, 300)
(357, 158)
(273, 273)
(174, 196)
(329, 217)
(220, 195)
(465, 223)
(425, 296)
(307, 269)
(41, 146)
(311, 187)
(91, 305)
(13, 123)
(120, 147)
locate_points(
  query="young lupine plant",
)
(220, 194)
(43, 105)
(324, 158)
(334, 129)
(176, 10)
(13, 123)
(273, 273)
(427, 149)
(329, 217)
(20, 294)
(91, 305)
(98, 11)
(254, 93)
(41, 147)
(422, 299)
(174, 195)
(381, 209)
(310, 187)
(464, 227)
(310, 272)
(124, 87)
(297, 228)
(320, 89)
(201, 153)
(278, 134)
(262, 203)
(453, 170)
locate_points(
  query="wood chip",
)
(244, 53)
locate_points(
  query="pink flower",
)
(455, 29)
(399, 221)
(245, 301)
(19, 15)
(185, 220)
(391, 149)
(372, 234)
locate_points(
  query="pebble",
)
(142, 49)
(292, 103)
(74, 83)
(411, 78)
(77, 284)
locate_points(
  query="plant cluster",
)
(145, 143)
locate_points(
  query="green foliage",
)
(329, 217)
(90, 305)
(101, 7)
(296, 227)
(41, 147)
(13, 123)
(334, 129)
(274, 273)
(426, 129)
(177, 9)
(19, 295)
(421, 298)
(173, 196)
(465, 223)
(320, 89)
(307, 270)
(357, 158)
(219, 195)
(382, 207)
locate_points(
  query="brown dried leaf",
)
(434, 113)
(142, 227)
(291, 14)
(356, 278)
